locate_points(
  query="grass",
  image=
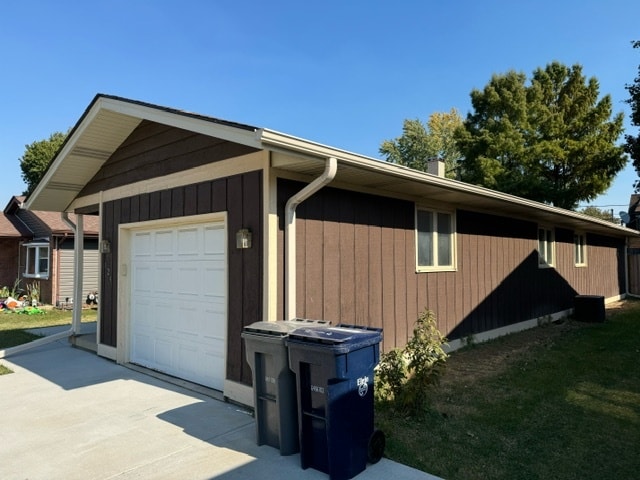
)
(562, 402)
(13, 326)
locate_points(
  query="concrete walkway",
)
(69, 414)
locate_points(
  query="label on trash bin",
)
(363, 385)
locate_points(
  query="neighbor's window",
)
(580, 249)
(435, 240)
(545, 247)
(37, 261)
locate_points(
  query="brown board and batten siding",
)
(151, 151)
(356, 264)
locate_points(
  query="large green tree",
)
(419, 142)
(37, 157)
(551, 140)
(632, 146)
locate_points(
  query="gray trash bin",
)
(274, 384)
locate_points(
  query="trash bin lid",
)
(344, 339)
(282, 328)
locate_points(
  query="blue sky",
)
(343, 73)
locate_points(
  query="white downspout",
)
(331, 167)
(78, 268)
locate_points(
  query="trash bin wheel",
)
(376, 446)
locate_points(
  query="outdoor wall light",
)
(243, 238)
(105, 246)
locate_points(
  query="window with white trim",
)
(37, 260)
(580, 249)
(546, 247)
(435, 240)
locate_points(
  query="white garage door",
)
(179, 301)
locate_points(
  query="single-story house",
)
(37, 246)
(209, 225)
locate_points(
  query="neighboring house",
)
(209, 226)
(41, 249)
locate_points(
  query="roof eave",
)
(278, 141)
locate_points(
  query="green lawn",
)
(561, 402)
(13, 326)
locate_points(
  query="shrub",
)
(404, 376)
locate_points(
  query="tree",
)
(632, 146)
(419, 143)
(37, 157)
(551, 140)
(601, 213)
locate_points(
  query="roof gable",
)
(15, 221)
(102, 128)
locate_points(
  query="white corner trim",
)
(107, 351)
(239, 393)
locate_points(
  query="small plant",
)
(469, 340)
(33, 292)
(405, 375)
(14, 292)
(546, 320)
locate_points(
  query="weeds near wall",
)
(404, 376)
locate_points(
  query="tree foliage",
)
(551, 140)
(37, 157)
(632, 146)
(601, 213)
(419, 142)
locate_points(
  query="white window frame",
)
(546, 239)
(580, 249)
(435, 240)
(41, 249)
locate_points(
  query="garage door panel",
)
(163, 243)
(141, 245)
(163, 280)
(179, 302)
(213, 285)
(164, 353)
(143, 279)
(188, 243)
(143, 346)
(214, 241)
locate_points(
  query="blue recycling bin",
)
(334, 368)
(274, 384)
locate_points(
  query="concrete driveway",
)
(69, 414)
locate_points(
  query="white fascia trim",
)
(289, 143)
(185, 122)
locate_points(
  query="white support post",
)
(78, 269)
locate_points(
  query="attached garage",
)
(177, 318)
